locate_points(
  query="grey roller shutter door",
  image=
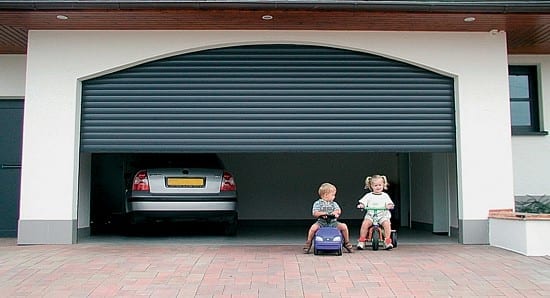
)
(269, 98)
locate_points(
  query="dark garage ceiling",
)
(527, 23)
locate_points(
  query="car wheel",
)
(130, 225)
(230, 228)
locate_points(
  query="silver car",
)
(190, 187)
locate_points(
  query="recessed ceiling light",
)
(62, 17)
(469, 19)
(267, 17)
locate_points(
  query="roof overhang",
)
(526, 23)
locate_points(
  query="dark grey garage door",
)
(269, 98)
(11, 136)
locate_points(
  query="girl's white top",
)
(372, 200)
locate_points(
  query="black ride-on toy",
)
(376, 232)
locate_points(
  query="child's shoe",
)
(307, 247)
(387, 244)
(348, 247)
(361, 245)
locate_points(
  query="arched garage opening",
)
(284, 117)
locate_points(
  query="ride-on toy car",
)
(328, 240)
(376, 232)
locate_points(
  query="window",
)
(524, 100)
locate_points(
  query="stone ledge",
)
(510, 214)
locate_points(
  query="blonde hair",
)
(369, 179)
(326, 188)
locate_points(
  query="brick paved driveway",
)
(177, 270)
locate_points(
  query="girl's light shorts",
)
(377, 219)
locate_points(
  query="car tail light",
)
(141, 181)
(228, 183)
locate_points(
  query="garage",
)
(284, 118)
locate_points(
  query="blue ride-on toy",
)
(328, 240)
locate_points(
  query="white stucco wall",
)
(57, 60)
(12, 76)
(531, 153)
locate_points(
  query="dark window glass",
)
(524, 98)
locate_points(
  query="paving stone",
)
(178, 270)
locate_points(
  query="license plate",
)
(185, 182)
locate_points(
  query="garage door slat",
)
(269, 98)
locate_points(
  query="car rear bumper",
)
(147, 196)
(212, 206)
(229, 217)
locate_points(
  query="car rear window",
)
(155, 160)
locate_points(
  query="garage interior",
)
(276, 192)
(284, 119)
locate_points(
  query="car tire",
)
(129, 225)
(230, 228)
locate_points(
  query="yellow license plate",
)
(185, 182)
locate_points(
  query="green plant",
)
(534, 205)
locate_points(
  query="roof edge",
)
(365, 5)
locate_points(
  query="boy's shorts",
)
(328, 223)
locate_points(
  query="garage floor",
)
(274, 234)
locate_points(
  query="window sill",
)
(529, 133)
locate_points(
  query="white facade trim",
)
(57, 61)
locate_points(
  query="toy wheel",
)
(394, 238)
(339, 252)
(375, 239)
(315, 251)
